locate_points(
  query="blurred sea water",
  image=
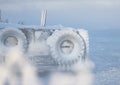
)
(105, 53)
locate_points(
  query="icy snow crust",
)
(58, 54)
(39, 47)
(19, 26)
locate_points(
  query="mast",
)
(43, 17)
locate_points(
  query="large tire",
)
(84, 35)
(67, 47)
(29, 33)
(12, 37)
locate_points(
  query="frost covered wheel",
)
(67, 47)
(29, 33)
(12, 37)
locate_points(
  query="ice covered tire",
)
(12, 37)
(29, 33)
(67, 47)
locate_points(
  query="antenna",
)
(43, 17)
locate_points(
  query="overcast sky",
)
(90, 14)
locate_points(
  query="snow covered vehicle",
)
(55, 48)
(47, 48)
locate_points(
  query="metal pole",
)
(43, 17)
